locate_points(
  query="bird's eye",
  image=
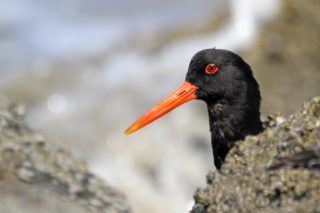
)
(211, 69)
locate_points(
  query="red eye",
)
(211, 69)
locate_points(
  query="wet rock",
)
(305, 159)
(37, 178)
(246, 182)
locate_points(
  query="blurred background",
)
(85, 70)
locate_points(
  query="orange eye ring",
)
(211, 69)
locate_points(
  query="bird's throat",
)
(230, 122)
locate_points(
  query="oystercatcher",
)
(226, 83)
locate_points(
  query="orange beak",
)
(185, 93)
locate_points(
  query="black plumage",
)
(226, 83)
(232, 96)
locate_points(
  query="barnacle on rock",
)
(246, 184)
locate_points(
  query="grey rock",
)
(246, 182)
(37, 178)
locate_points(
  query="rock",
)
(246, 182)
(37, 178)
(286, 57)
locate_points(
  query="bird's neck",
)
(231, 121)
(234, 119)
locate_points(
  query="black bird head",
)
(219, 74)
(226, 83)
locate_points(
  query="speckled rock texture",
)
(246, 182)
(36, 178)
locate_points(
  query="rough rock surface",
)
(37, 178)
(245, 183)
